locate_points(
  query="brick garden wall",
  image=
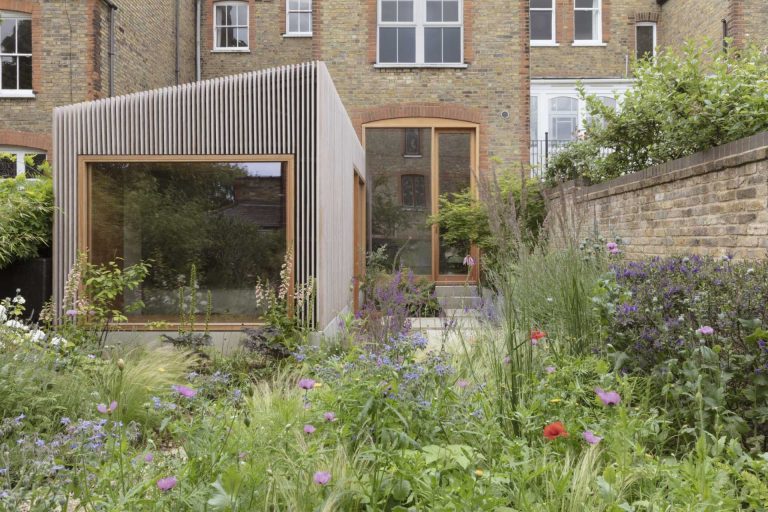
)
(713, 202)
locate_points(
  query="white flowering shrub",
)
(16, 331)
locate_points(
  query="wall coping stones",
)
(733, 154)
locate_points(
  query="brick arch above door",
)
(454, 112)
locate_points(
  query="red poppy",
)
(537, 335)
(555, 430)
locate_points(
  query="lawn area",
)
(589, 383)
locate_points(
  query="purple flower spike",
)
(591, 438)
(329, 416)
(462, 383)
(705, 330)
(550, 369)
(71, 312)
(166, 484)
(610, 398)
(103, 409)
(322, 478)
(185, 391)
(309, 429)
(306, 384)
(149, 457)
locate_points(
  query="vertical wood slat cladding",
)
(260, 113)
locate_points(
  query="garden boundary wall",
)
(714, 202)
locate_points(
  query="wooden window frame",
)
(440, 125)
(84, 215)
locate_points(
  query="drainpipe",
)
(725, 34)
(198, 65)
(112, 8)
(178, 71)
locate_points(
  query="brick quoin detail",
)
(317, 30)
(33, 9)
(26, 139)
(606, 20)
(373, 32)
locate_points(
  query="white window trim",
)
(288, 11)
(655, 32)
(224, 49)
(599, 29)
(546, 89)
(420, 23)
(17, 93)
(20, 153)
(553, 40)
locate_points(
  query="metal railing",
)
(541, 150)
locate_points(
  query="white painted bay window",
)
(587, 22)
(420, 33)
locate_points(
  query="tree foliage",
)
(26, 217)
(682, 102)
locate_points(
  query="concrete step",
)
(453, 290)
(459, 302)
(440, 324)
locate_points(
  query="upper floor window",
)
(231, 26)
(299, 21)
(15, 54)
(419, 32)
(587, 21)
(542, 21)
(645, 39)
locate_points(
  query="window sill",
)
(17, 94)
(420, 66)
(589, 43)
(297, 36)
(544, 43)
(231, 50)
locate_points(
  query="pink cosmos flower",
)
(322, 478)
(469, 261)
(309, 429)
(610, 398)
(166, 484)
(103, 409)
(329, 416)
(185, 391)
(591, 438)
(705, 330)
(613, 248)
(306, 384)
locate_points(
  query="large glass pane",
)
(293, 22)
(541, 4)
(388, 11)
(305, 22)
(399, 217)
(541, 25)
(8, 36)
(25, 72)
(434, 10)
(450, 10)
(8, 67)
(25, 36)
(455, 164)
(405, 12)
(387, 45)
(406, 45)
(585, 4)
(228, 220)
(452, 44)
(433, 45)
(241, 38)
(584, 25)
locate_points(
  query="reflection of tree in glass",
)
(388, 216)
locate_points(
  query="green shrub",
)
(682, 102)
(26, 218)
